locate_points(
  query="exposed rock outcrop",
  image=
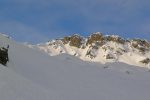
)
(141, 45)
(145, 61)
(114, 38)
(3, 56)
(110, 56)
(95, 37)
(102, 48)
(74, 40)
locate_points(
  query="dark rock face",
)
(141, 42)
(109, 56)
(145, 61)
(91, 54)
(74, 40)
(66, 40)
(3, 56)
(141, 45)
(98, 37)
(116, 39)
(95, 37)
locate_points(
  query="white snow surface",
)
(33, 75)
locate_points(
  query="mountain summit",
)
(101, 48)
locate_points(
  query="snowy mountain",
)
(100, 48)
(31, 74)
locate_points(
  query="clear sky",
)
(40, 20)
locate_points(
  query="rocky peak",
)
(74, 40)
(115, 38)
(95, 37)
(141, 45)
(98, 39)
(102, 48)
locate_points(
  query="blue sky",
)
(40, 20)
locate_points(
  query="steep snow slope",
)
(15, 87)
(34, 75)
(103, 49)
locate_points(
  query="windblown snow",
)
(32, 74)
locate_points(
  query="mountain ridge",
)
(101, 48)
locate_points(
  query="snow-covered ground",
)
(34, 75)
